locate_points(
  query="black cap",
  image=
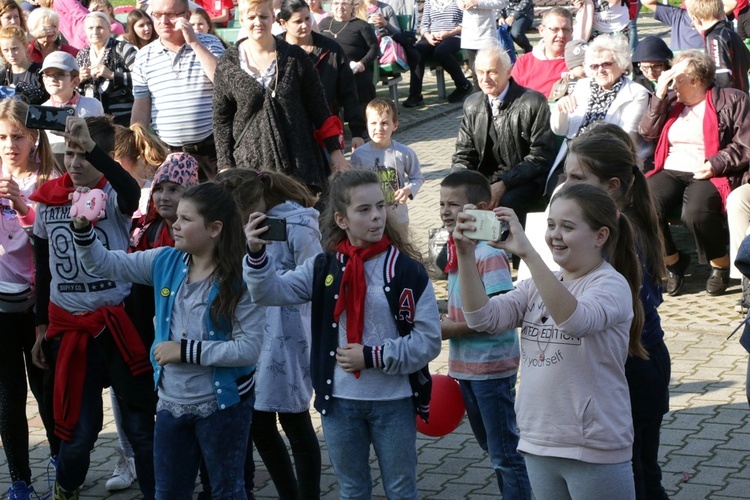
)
(652, 48)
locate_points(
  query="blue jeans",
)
(489, 406)
(221, 438)
(350, 426)
(137, 421)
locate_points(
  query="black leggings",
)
(17, 339)
(305, 448)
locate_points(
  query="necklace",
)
(336, 35)
(260, 73)
(546, 345)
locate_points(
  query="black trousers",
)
(443, 52)
(17, 337)
(702, 212)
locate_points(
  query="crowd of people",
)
(243, 261)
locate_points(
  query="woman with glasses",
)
(358, 40)
(652, 56)
(607, 95)
(702, 136)
(43, 26)
(105, 66)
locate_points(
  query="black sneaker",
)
(460, 93)
(413, 102)
(718, 281)
(676, 277)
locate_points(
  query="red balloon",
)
(446, 408)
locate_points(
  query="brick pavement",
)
(705, 451)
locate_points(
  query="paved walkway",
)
(705, 451)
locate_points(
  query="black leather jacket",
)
(526, 147)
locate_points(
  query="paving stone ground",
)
(705, 442)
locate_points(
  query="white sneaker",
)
(123, 475)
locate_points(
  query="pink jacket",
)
(71, 14)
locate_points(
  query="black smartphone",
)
(276, 229)
(48, 117)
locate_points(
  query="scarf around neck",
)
(599, 102)
(353, 291)
(711, 143)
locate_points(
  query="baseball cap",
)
(60, 60)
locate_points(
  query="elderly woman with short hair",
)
(44, 25)
(702, 136)
(105, 68)
(606, 95)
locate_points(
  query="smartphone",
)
(276, 229)
(48, 117)
(488, 228)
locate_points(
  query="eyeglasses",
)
(651, 67)
(557, 31)
(167, 15)
(605, 66)
(55, 76)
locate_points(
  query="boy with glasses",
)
(60, 78)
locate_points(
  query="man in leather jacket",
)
(505, 134)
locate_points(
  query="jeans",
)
(17, 337)
(350, 427)
(518, 33)
(489, 406)
(220, 438)
(305, 448)
(74, 457)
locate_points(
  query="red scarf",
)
(332, 127)
(710, 143)
(452, 263)
(353, 289)
(55, 192)
(70, 370)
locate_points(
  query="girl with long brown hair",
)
(375, 327)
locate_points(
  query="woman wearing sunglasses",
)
(607, 95)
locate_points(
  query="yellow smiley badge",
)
(165, 292)
(329, 280)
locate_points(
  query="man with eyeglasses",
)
(543, 66)
(173, 84)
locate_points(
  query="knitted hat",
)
(180, 168)
(652, 49)
(575, 51)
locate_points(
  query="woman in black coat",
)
(269, 112)
(359, 42)
(331, 63)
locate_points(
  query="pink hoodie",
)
(72, 14)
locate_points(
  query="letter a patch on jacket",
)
(406, 306)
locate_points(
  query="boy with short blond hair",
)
(723, 45)
(485, 364)
(397, 165)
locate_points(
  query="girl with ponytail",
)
(577, 330)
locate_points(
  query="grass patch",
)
(119, 3)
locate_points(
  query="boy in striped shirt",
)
(485, 364)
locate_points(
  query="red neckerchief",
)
(55, 191)
(452, 263)
(72, 102)
(710, 143)
(353, 289)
